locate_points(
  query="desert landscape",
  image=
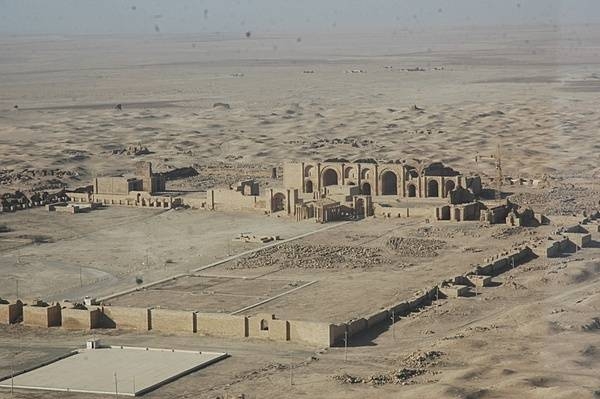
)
(209, 111)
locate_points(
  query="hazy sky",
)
(285, 16)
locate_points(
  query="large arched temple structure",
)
(398, 180)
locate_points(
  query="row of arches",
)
(349, 172)
(389, 184)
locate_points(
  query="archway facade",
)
(278, 203)
(366, 188)
(330, 178)
(308, 171)
(308, 186)
(411, 190)
(389, 183)
(433, 188)
(359, 208)
(450, 185)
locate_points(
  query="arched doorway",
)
(330, 178)
(366, 189)
(264, 325)
(308, 171)
(449, 187)
(308, 186)
(412, 190)
(348, 173)
(359, 208)
(389, 183)
(433, 189)
(278, 202)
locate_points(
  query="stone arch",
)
(308, 171)
(264, 325)
(366, 173)
(330, 177)
(412, 190)
(433, 188)
(450, 185)
(348, 172)
(366, 188)
(308, 186)
(359, 208)
(278, 202)
(389, 183)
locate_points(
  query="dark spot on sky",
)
(298, 39)
(133, 8)
(158, 16)
(156, 28)
(440, 10)
(248, 34)
(518, 5)
(205, 13)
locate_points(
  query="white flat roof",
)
(135, 370)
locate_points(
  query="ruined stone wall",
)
(111, 185)
(11, 313)
(173, 321)
(78, 319)
(313, 333)
(293, 175)
(403, 212)
(222, 325)
(231, 200)
(279, 330)
(138, 319)
(42, 316)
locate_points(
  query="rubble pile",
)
(323, 142)
(560, 200)
(414, 247)
(132, 150)
(289, 256)
(12, 176)
(13, 201)
(420, 359)
(414, 365)
(401, 376)
(221, 174)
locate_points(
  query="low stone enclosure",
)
(260, 326)
(263, 326)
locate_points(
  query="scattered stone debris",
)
(12, 176)
(566, 199)
(421, 359)
(325, 142)
(213, 174)
(222, 106)
(594, 325)
(312, 257)
(180, 173)
(416, 364)
(132, 150)
(10, 202)
(414, 247)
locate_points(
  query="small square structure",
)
(480, 280)
(137, 370)
(455, 291)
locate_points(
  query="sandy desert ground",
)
(235, 107)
